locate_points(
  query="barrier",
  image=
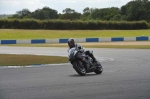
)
(78, 40)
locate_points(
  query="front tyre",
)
(99, 68)
(79, 67)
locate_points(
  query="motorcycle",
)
(83, 63)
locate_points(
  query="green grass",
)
(24, 60)
(48, 34)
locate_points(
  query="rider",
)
(71, 44)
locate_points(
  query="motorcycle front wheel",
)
(79, 67)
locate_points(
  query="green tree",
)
(69, 14)
(86, 13)
(25, 13)
(136, 10)
(117, 17)
(45, 13)
(68, 11)
(105, 13)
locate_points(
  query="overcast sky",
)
(12, 6)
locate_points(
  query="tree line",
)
(135, 10)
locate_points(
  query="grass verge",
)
(49, 34)
(24, 60)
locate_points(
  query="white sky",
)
(12, 6)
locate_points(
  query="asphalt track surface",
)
(126, 75)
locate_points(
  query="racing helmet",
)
(71, 43)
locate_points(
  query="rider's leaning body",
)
(72, 44)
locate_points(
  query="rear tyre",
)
(79, 67)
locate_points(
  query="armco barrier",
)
(78, 40)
